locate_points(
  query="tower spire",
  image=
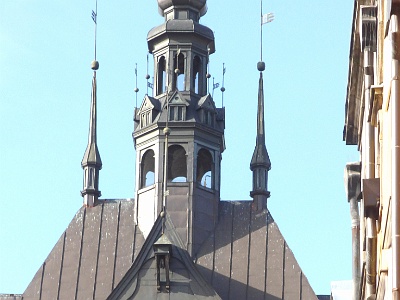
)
(91, 162)
(260, 162)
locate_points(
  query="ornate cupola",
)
(190, 155)
(260, 162)
(181, 46)
(91, 162)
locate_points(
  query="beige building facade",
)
(372, 122)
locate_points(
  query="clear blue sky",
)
(46, 48)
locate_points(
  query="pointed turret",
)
(260, 163)
(91, 162)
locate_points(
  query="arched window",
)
(147, 169)
(161, 75)
(204, 174)
(196, 73)
(177, 168)
(179, 71)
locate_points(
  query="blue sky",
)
(46, 48)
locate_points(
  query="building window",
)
(177, 167)
(177, 113)
(147, 169)
(161, 74)
(208, 117)
(146, 118)
(204, 174)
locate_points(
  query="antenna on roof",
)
(136, 88)
(265, 18)
(223, 83)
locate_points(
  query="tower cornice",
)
(199, 6)
(181, 27)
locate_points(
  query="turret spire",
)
(91, 162)
(260, 162)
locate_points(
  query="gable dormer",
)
(147, 111)
(177, 107)
(206, 110)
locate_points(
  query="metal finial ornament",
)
(223, 83)
(177, 71)
(147, 75)
(136, 88)
(95, 65)
(208, 75)
(261, 66)
(167, 132)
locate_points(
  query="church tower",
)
(179, 132)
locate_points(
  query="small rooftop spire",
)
(91, 162)
(260, 162)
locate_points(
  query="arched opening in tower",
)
(196, 73)
(161, 85)
(204, 174)
(147, 169)
(179, 73)
(177, 167)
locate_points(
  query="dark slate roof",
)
(103, 255)
(91, 256)
(248, 258)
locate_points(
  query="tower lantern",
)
(192, 150)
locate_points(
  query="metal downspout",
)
(371, 257)
(369, 148)
(355, 235)
(394, 102)
(352, 177)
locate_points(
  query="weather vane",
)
(265, 18)
(94, 17)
